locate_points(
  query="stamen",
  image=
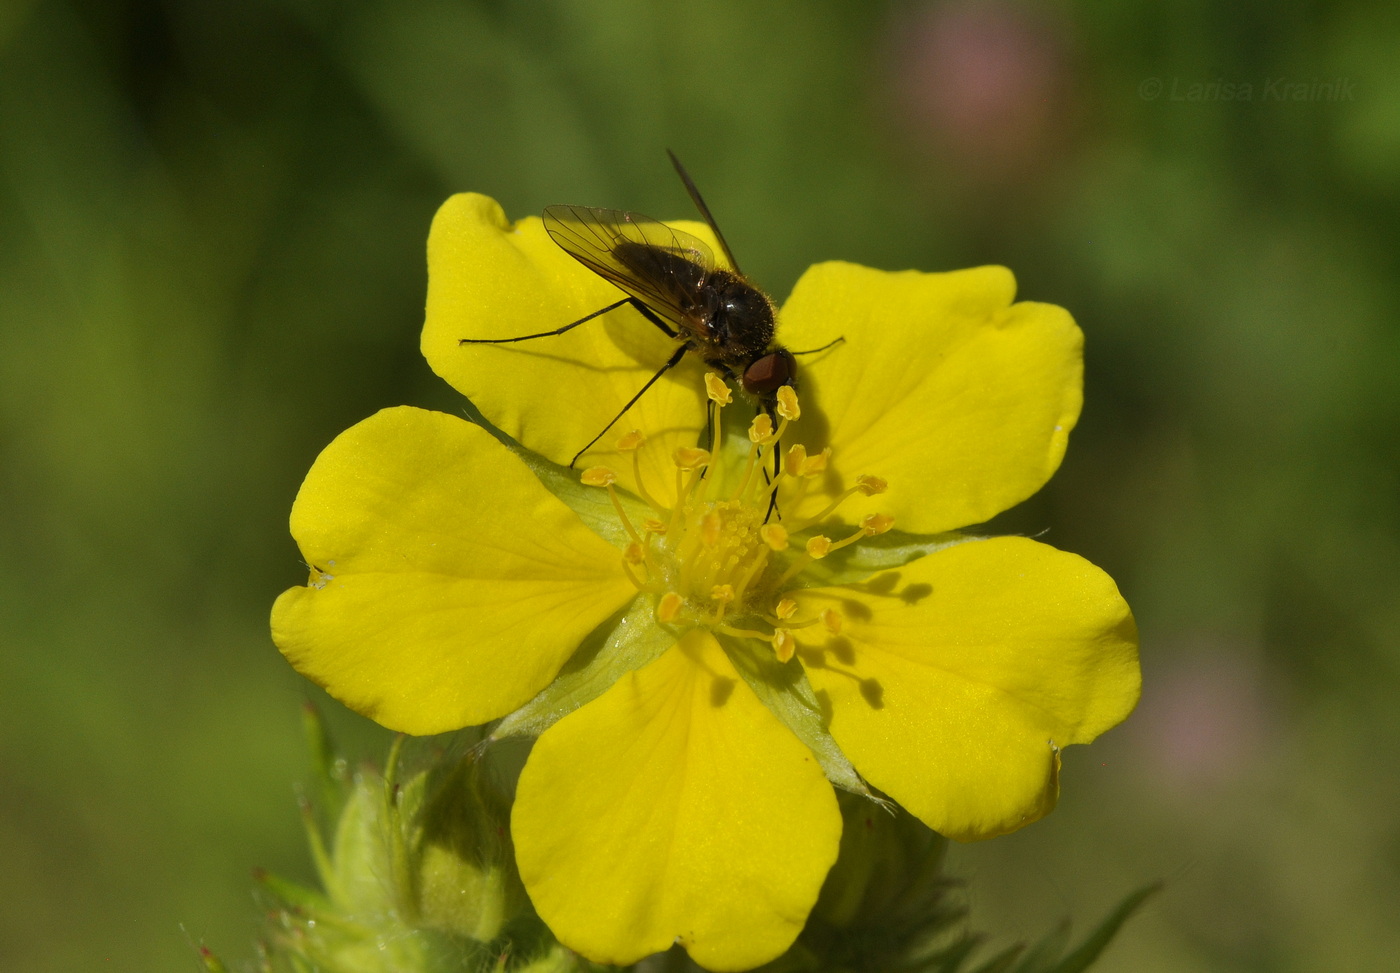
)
(631, 442)
(744, 633)
(816, 465)
(717, 391)
(710, 527)
(761, 429)
(787, 403)
(599, 476)
(668, 609)
(794, 460)
(774, 535)
(819, 547)
(869, 527)
(637, 582)
(785, 609)
(871, 485)
(831, 618)
(876, 524)
(721, 595)
(784, 645)
(691, 458)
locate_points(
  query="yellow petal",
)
(675, 808)
(962, 400)
(448, 585)
(956, 679)
(490, 279)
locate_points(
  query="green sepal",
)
(604, 657)
(330, 773)
(591, 504)
(883, 552)
(462, 863)
(784, 689)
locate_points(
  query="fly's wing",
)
(664, 268)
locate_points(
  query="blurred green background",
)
(212, 222)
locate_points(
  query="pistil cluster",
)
(725, 552)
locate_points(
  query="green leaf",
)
(1089, 950)
(1041, 957)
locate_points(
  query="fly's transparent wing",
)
(664, 268)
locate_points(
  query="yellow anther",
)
(787, 403)
(634, 554)
(717, 390)
(775, 536)
(668, 609)
(761, 429)
(876, 524)
(786, 609)
(692, 458)
(599, 476)
(831, 618)
(784, 645)
(711, 528)
(795, 459)
(871, 485)
(815, 465)
(631, 441)
(722, 593)
(653, 526)
(819, 546)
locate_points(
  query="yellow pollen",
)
(787, 403)
(633, 440)
(690, 458)
(599, 476)
(723, 562)
(711, 528)
(717, 390)
(784, 645)
(761, 429)
(669, 607)
(876, 524)
(795, 459)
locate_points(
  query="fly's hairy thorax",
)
(737, 324)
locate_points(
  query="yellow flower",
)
(702, 653)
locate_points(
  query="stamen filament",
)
(622, 515)
(745, 633)
(637, 582)
(642, 491)
(828, 511)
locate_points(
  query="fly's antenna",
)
(704, 210)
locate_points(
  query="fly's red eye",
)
(766, 375)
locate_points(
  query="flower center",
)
(725, 552)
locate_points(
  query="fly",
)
(672, 279)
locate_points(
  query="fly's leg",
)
(671, 363)
(645, 311)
